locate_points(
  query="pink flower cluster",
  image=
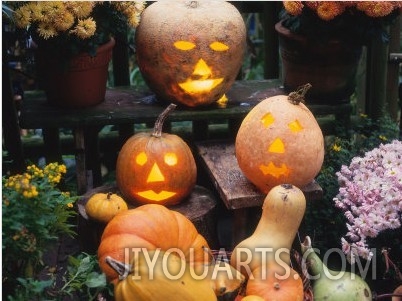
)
(370, 195)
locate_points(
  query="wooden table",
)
(236, 192)
(125, 106)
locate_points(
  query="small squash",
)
(151, 227)
(156, 168)
(276, 282)
(225, 280)
(282, 212)
(279, 141)
(159, 275)
(330, 285)
(104, 206)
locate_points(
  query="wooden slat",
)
(233, 187)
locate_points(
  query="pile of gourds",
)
(151, 252)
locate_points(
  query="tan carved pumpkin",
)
(280, 141)
(190, 52)
(156, 167)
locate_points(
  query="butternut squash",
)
(282, 212)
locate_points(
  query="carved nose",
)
(155, 174)
(202, 70)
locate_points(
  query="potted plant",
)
(74, 36)
(321, 43)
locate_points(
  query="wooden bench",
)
(126, 106)
(236, 192)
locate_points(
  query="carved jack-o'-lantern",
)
(280, 141)
(156, 168)
(190, 52)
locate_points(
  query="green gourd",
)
(330, 285)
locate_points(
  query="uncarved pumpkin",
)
(149, 226)
(156, 167)
(190, 52)
(104, 206)
(279, 141)
(276, 283)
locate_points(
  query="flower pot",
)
(330, 67)
(79, 82)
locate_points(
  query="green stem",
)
(314, 263)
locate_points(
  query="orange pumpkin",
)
(149, 226)
(190, 52)
(156, 167)
(280, 141)
(276, 282)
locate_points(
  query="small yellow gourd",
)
(104, 206)
(282, 212)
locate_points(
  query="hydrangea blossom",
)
(370, 195)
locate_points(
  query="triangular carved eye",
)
(267, 120)
(277, 146)
(295, 126)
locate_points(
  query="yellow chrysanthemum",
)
(84, 29)
(47, 30)
(80, 9)
(22, 16)
(336, 147)
(293, 7)
(64, 22)
(52, 9)
(329, 10)
(39, 12)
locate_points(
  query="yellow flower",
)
(64, 21)
(383, 138)
(47, 31)
(336, 147)
(22, 16)
(85, 28)
(375, 8)
(80, 9)
(70, 205)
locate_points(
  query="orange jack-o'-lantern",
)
(190, 52)
(156, 167)
(280, 141)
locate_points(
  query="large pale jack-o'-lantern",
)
(156, 167)
(280, 141)
(190, 52)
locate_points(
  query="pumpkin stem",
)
(121, 268)
(109, 194)
(161, 119)
(192, 4)
(297, 96)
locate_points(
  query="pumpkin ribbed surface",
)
(149, 226)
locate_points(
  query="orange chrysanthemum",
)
(293, 7)
(329, 10)
(376, 9)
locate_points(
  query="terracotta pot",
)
(330, 67)
(79, 83)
